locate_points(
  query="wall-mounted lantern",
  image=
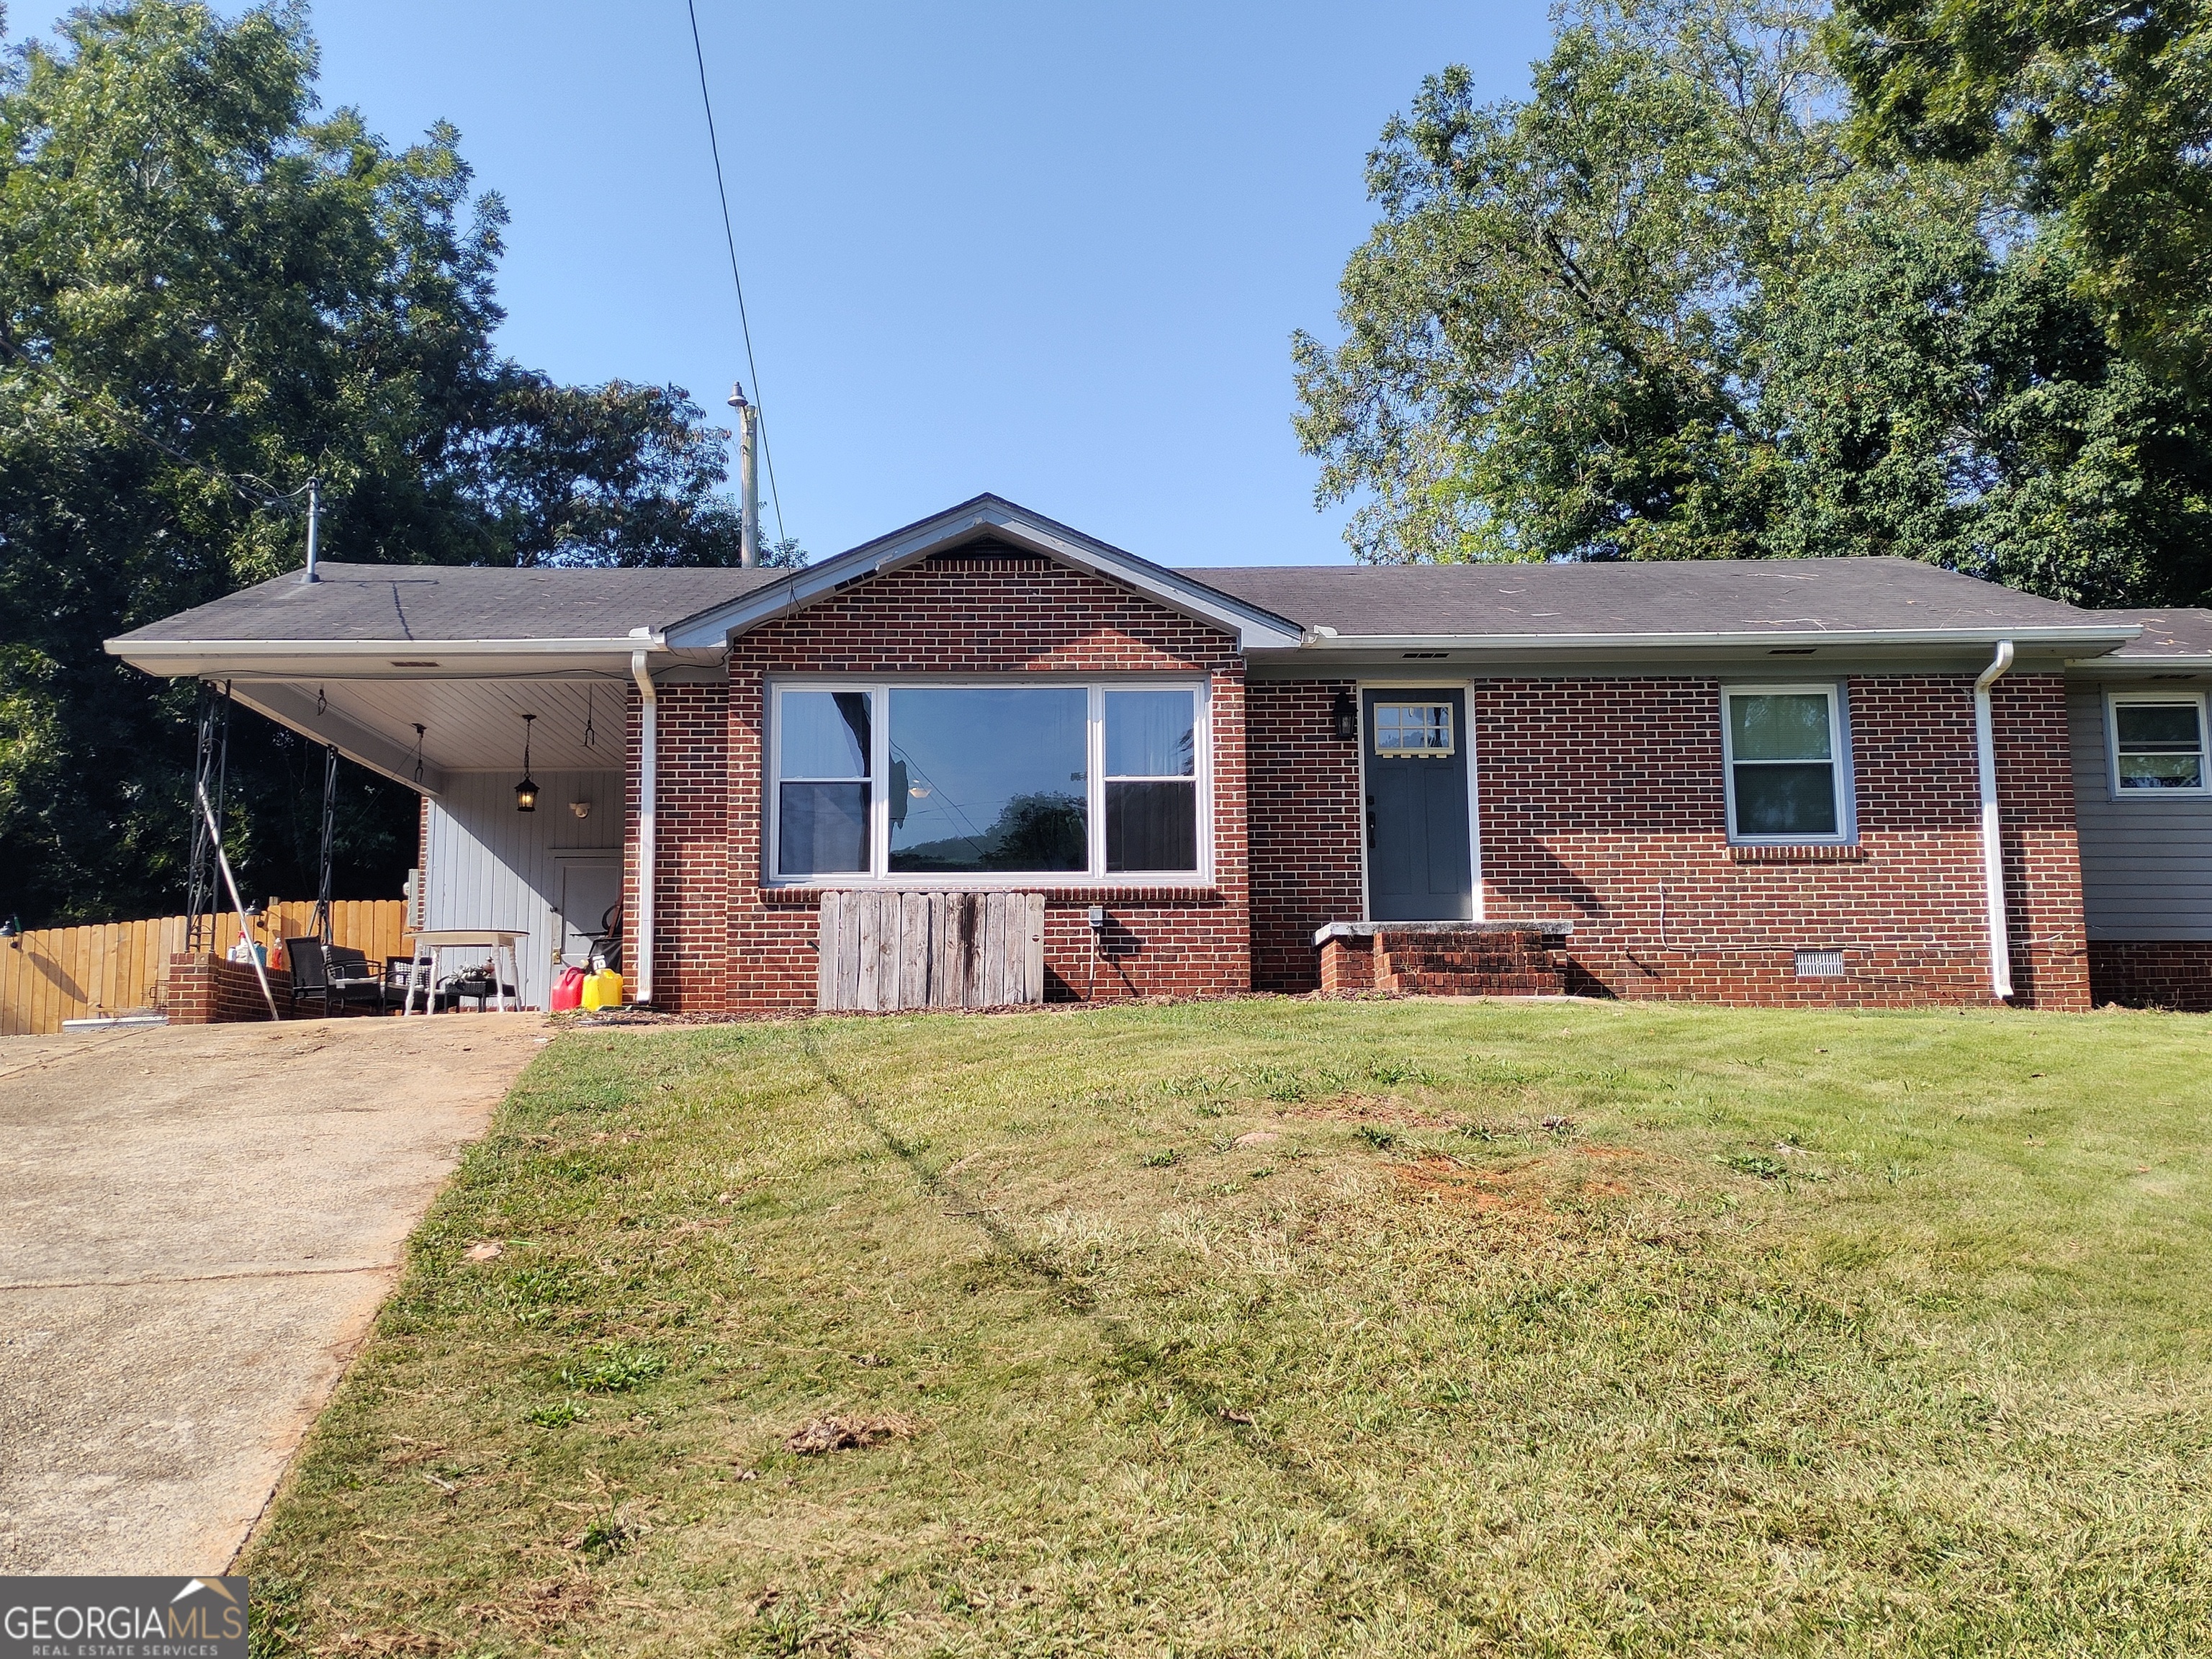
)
(1345, 713)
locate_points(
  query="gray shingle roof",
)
(433, 603)
(444, 602)
(1691, 596)
(2178, 632)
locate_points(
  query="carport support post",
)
(222, 862)
(329, 824)
(648, 790)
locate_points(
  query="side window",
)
(1152, 781)
(2158, 743)
(1783, 750)
(825, 757)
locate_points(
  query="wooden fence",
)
(882, 951)
(121, 967)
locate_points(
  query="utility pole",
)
(748, 475)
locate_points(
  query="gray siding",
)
(2146, 861)
(490, 866)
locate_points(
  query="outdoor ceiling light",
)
(1346, 714)
(526, 793)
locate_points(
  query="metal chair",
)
(339, 976)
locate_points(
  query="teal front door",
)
(1420, 861)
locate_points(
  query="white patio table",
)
(432, 940)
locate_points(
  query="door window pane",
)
(1781, 751)
(987, 780)
(1403, 729)
(1152, 734)
(822, 830)
(1152, 826)
(2162, 745)
(825, 734)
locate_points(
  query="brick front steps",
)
(1441, 958)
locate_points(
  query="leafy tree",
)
(1657, 311)
(1548, 353)
(2104, 112)
(1930, 398)
(209, 292)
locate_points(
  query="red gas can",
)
(568, 989)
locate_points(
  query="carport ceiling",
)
(468, 726)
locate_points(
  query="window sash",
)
(1100, 868)
(1757, 777)
(1431, 721)
(2148, 768)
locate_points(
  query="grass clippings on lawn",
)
(1294, 1328)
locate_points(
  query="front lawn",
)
(1287, 1327)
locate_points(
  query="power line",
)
(730, 237)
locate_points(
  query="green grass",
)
(1283, 1328)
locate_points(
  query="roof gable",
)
(987, 519)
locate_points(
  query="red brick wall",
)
(692, 888)
(1306, 827)
(2157, 973)
(2042, 853)
(1596, 794)
(1001, 615)
(207, 990)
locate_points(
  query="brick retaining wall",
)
(208, 990)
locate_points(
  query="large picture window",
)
(2157, 741)
(1787, 772)
(929, 783)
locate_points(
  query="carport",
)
(445, 680)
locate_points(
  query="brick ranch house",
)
(1847, 782)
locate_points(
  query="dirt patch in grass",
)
(1364, 1109)
(1450, 1181)
(837, 1431)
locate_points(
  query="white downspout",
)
(648, 791)
(1985, 755)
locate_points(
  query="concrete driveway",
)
(197, 1225)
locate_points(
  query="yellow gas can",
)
(603, 990)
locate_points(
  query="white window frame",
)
(1839, 760)
(1094, 874)
(2112, 701)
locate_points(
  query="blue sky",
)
(1051, 250)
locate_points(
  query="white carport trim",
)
(177, 656)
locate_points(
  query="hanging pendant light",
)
(526, 793)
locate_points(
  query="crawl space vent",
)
(1820, 964)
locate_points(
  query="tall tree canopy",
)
(209, 293)
(2102, 112)
(1660, 309)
